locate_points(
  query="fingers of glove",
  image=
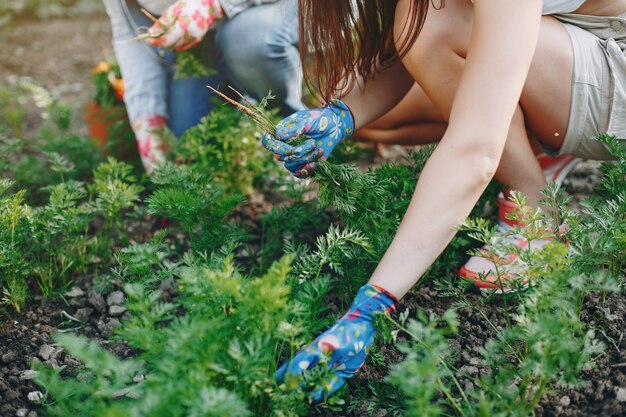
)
(281, 148)
(295, 125)
(304, 153)
(164, 36)
(351, 364)
(304, 171)
(303, 360)
(342, 372)
(179, 39)
(183, 46)
(176, 30)
(295, 165)
(329, 387)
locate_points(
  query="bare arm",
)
(503, 41)
(370, 100)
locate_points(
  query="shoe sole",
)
(501, 291)
(569, 166)
(488, 287)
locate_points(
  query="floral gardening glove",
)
(343, 347)
(184, 24)
(324, 128)
(149, 131)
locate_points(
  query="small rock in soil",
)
(46, 351)
(468, 370)
(10, 396)
(620, 395)
(47, 329)
(75, 293)
(22, 412)
(97, 301)
(454, 345)
(9, 357)
(106, 329)
(565, 401)
(83, 314)
(78, 302)
(28, 374)
(35, 397)
(476, 361)
(117, 310)
(116, 298)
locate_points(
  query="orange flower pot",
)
(117, 139)
(100, 120)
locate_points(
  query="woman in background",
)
(251, 43)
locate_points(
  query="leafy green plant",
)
(15, 234)
(425, 374)
(225, 346)
(115, 189)
(12, 111)
(547, 345)
(61, 232)
(298, 222)
(27, 160)
(545, 342)
(230, 150)
(600, 237)
(192, 64)
(199, 204)
(148, 263)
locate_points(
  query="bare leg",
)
(413, 121)
(544, 104)
(441, 201)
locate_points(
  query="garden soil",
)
(58, 55)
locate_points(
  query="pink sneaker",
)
(496, 273)
(482, 269)
(555, 169)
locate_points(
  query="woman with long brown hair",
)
(496, 72)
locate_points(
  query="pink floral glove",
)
(184, 24)
(149, 131)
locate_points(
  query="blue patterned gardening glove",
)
(343, 347)
(323, 128)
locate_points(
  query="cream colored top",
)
(561, 6)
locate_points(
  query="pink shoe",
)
(555, 169)
(495, 273)
(482, 270)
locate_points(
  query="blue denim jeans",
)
(259, 50)
(255, 51)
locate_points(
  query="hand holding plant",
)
(343, 347)
(183, 25)
(326, 127)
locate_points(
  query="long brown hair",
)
(342, 38)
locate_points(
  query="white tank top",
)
(561, 6)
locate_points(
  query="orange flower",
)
(102, 66)
(118, 86)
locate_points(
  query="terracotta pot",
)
(100, 121)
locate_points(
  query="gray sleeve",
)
(234, 7)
